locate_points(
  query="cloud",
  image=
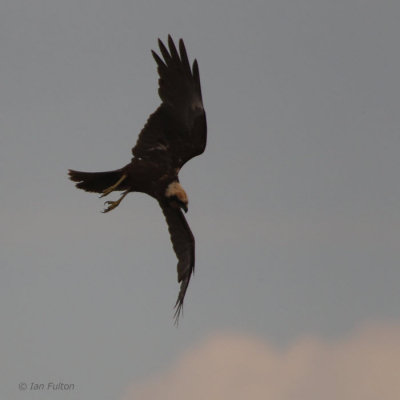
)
(364, 365)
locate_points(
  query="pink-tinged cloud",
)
(364, 365)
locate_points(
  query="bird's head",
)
(176, 196)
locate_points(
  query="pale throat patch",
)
(176, 189)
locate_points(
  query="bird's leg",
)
(114, 204)
(108, 190)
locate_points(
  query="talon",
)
(114, 204)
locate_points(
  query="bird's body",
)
(173, 134)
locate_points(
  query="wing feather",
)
(164, 52)
(184, 246)
(178, 127)
(172, 49)
(184, 56)
(159, 61)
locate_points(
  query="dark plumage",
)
(173, 134)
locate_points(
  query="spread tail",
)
(97, 182)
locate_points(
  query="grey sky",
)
(294, 204)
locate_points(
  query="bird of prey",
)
(172, 135)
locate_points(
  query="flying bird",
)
(175, 133)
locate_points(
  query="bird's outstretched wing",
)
(183, 243)
(177, 130)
